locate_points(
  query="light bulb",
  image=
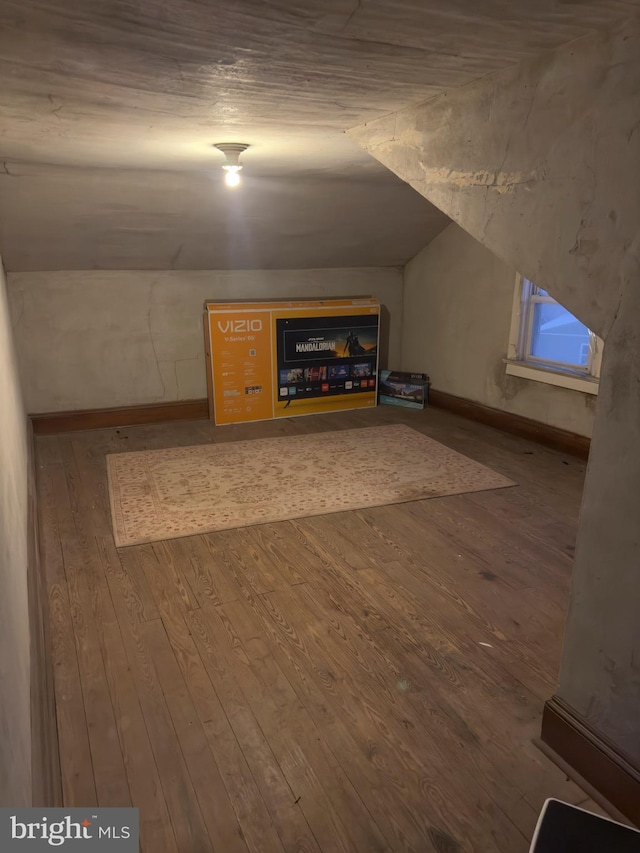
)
(232, 152)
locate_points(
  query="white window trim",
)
(515, 365)
(588, 385)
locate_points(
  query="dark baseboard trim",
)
(559, 439)
(46, 780)
(592, 757)
(153, 413)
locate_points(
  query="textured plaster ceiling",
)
(109, 110)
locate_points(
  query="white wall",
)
(458, 299)
(99, 339)
(15, 717)
(541, 163)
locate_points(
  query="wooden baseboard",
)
(46, 783)
(153, 413)
(592, 756)
(559, 439)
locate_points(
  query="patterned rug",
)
(181, 491)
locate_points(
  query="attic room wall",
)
(538, 163)
(541, 163)
(458, 299)
(99, 339)
(15, 715)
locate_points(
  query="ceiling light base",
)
(232, 151)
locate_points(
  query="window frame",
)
(520, 361)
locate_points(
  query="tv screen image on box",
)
(331, 351)
(360, 370)
(408, 392)
(339, 371)
(315, 374)
(291, 376)
(321, 344)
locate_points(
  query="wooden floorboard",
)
(366, 681)
(78, 783)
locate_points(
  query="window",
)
(549, 344)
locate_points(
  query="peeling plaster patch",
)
(503, 182)
(411, 137)
(584, 248)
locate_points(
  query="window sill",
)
(586, 384)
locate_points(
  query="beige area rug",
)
(181, 491)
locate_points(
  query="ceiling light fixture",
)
(232, 152)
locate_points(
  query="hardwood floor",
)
(363, 681)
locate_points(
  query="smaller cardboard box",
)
(399, 388)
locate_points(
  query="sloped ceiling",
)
(109, 110)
